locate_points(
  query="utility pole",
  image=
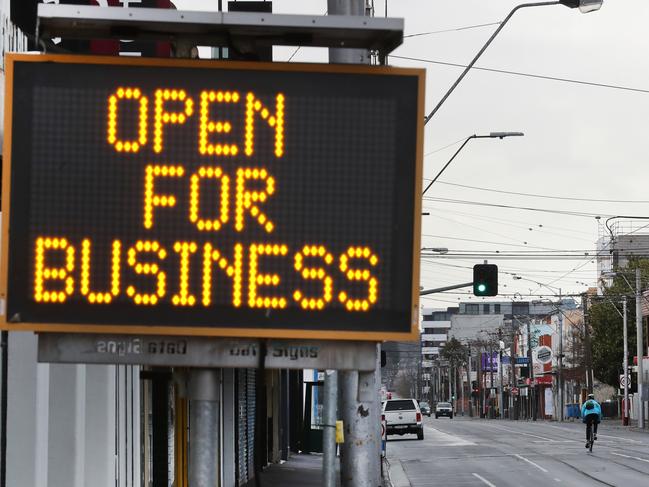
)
(329, 433)
(513, 413)
(639, 346)
(491, 378)
(469, 382)
(588, 352)
(625, 369)
(532, 387)
(560, 360)
(360, 466)
(204, 396)
(501, 345)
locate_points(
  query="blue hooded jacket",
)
(596, 409)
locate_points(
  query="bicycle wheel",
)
(589, 436)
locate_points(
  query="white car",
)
(444, 409)
(403, 416)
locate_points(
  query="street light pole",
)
(639, 345)
(625, 368)
(560, 361)
(584, 5)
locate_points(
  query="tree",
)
(606, 323)
(454, 352)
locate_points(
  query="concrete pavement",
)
(299, 471)
(501, 453)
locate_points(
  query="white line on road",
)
(518, 432)
(572, 430)
(531, 463)
(628, 456)
(484, 480)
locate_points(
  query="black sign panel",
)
(190, 197)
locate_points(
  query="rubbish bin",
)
(572, 410)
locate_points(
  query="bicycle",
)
(589, 436)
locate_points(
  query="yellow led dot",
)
(297, 295)
(342, 297)
(349, 305)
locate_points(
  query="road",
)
(494, 453)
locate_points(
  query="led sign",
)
(204, 198)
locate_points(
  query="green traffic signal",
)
(485, 280)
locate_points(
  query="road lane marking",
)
(444, 439)
(531, 463)
(520, 432)
(629, 456)
(572, 430)
(483, 479)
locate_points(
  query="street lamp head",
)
(584, 6)
(502, 135)
(439, 250)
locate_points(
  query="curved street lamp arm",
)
(474, 136)
(473, 61)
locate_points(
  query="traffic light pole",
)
(446, 288)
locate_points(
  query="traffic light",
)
(485, 280)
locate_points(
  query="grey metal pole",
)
(469, 382)
(501, 398)
(482, 50)
(329, 433)
(625, 368)
(360, 465)
(204, 396)
(640, 345)
(347, 56)
(532, 388)
(560, 361)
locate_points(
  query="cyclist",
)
(591, 414)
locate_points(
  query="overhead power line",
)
(541, 195)
(527, 208)
(477, 26)
(527, 75)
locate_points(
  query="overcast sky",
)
(580, 141)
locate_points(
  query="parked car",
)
(444, 409)
(424, 407)
(403, 416)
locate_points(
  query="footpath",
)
(300, 470)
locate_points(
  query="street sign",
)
(160, 350)
(179, 197)
(544, 355)
(625, 383)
